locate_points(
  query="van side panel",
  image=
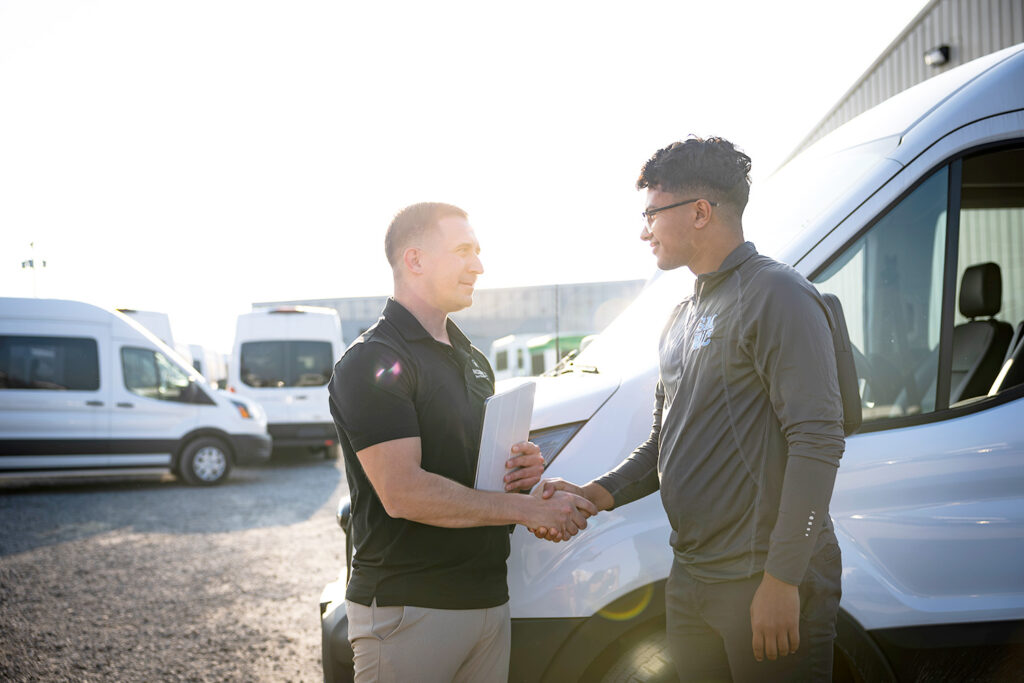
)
(42, 428)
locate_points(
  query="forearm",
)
(634, 478)
(599, 496)
(431, 499)
(803, 512)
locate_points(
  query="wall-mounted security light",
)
(937, 56)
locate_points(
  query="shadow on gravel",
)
(287, 490)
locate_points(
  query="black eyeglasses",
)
(649, 213)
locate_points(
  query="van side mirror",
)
(344, 514)
(345, 522)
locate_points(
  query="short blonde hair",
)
(411, 223)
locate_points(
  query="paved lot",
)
(149, 579)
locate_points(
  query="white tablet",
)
(506, 422)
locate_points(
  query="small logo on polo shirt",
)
(478, 373)
(702, 335)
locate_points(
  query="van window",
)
(501, 360)
(287, 363)
(891, 281)
(890, 284)
(54, 363)
(148, 373)
(992, 232)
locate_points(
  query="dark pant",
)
(709, 632)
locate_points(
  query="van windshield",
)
(286, 363)
(781, 207)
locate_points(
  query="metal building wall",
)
(971, 29)
(582, 307)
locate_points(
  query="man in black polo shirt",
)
(427, 599)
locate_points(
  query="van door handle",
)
(125, 405)
(301, 398)
(94, 403)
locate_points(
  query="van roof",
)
(81, 311)
(289, 309)
(65, 309)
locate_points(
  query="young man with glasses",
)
(746, 440)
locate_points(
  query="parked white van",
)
(160, 325)
(913, 215)
(209, 364)
(283, 357)
(510, 355)
(86, 391)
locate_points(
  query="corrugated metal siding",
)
(971, 28)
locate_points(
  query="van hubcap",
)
(209, 463)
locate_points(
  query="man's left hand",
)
(526, 467)
(775, 618)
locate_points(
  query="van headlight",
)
(243, 410)
(552, 440)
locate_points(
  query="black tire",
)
(206, 461)
(646, 661)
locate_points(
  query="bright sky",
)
(194, 157)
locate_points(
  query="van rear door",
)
(264, 372)
(289, 377)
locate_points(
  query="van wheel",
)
(205, 462)
(647, 661)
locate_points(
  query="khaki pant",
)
(425, 645)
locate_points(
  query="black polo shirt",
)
(396, 381)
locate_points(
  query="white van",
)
(209, 364)
(525, 354)
(283, 357)
(510, 355)
(913, 215)
(160, 325)
(87, 391)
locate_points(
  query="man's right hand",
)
(597, 495)
(562, 514)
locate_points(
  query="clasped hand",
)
(576, 507)
(558, 512)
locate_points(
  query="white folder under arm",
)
(506, 422)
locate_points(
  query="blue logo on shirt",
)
(702, 335)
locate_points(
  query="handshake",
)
(562, 508)
(556, 509)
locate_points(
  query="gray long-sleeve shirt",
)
(748, 424)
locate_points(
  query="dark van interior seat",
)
(979, 345)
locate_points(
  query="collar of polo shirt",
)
(411, 329)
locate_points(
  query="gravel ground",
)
(147, 579)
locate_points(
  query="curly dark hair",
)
(711, 167)
(411, 223)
